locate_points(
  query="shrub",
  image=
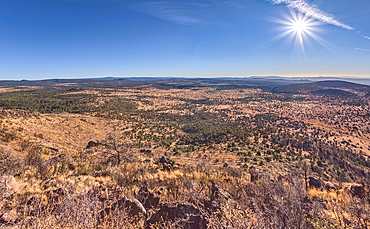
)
(268, 159)
(33, 157)
(10, 162)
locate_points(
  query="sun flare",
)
(299, 28)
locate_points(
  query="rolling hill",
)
(330, 88)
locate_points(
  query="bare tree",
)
(118, 150)
(304, 167)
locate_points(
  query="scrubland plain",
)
(182, 156)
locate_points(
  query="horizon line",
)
(190, 77)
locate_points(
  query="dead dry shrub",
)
(33, 156)
(69, 210)
(277, 204)
(10, 162)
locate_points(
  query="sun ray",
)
(299, 29)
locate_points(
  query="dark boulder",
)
(164, 160)
(315, 183)
(211, 206)
(92, 144)
(166, 163)
(358, 191)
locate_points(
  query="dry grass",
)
(84, 174)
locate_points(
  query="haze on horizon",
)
(206, 38)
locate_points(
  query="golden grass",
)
(340, 197)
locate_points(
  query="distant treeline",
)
(46, 101)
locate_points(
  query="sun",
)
(299, 26)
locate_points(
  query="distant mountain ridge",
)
(328, 87)
(168, 82)
(268, 83)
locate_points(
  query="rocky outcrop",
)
(196, 222)
(176, 211)
(52, 161)
(8, 186)
(331, 187)
(10, 162)
(132, 205)
(220, 202)
(255, 175)
(9, 217)
(148, 199)
(218, 193)
(62, 159)
(92, 144)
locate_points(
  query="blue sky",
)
(42, 39)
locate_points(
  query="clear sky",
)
(205, 38)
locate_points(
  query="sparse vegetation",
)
(226, 156)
